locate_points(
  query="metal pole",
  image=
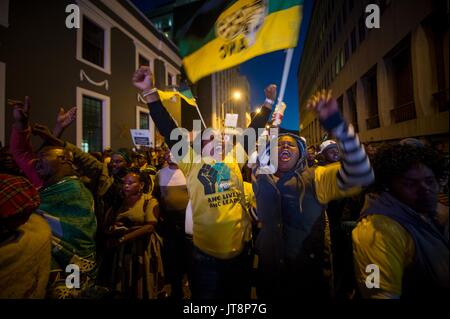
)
(287, 66)
(201, 117)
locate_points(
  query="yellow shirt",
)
(216, 191)
(325, 180)
(381, 241)
(25, 261)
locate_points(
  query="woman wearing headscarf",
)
(294, 242)
(25, 241)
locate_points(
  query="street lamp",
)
(236, 96)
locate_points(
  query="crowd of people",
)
(140, 224)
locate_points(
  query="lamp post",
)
(236, 96)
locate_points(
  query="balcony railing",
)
(441, 98)
(373, 122)
(404, 112)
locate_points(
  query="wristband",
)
(147, 93)
(269, 101)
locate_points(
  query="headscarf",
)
(17, 196)
(125, 153)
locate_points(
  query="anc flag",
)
(222, 34)
(169, 97)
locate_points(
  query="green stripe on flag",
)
(190, 44)
(278, 5)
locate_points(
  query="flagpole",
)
(287, 67)
(201, 117)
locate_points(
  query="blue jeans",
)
(214, 278)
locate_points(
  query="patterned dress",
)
(137, 269)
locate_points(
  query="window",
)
(142, 118)
(93, 120)
(93, 43)
(143, 60)
(144, 123)
(437, 26)
(399, 61)
(92, 125)
(353, 115)
(144, 56)
(370, 87)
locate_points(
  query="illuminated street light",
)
(258, 110)
(237, 95)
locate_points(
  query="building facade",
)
(89, 67)
(391, 82)
(224, 85)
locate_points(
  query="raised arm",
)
(87, 163)
(63, 120)
(20, 144)
(143, 81)
(355, 169)
(261, 118)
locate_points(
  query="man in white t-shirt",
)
(171, 191)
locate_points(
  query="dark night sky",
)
(267, 68)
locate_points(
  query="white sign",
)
(231, 120)
(140, 137)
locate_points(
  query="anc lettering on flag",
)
(222, 34)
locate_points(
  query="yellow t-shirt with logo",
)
(216, 191)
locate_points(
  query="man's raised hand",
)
(143, 78)
(21, 113)
(323, 104)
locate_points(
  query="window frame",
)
(146, 53)
(106, 115)
(96, 19)
(151, 124)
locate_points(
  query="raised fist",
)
(271, 92)
(143, 78)
(323, 104)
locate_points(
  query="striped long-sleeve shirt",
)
(346, 178)
(355, 170)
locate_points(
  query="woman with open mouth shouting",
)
(294, 243)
